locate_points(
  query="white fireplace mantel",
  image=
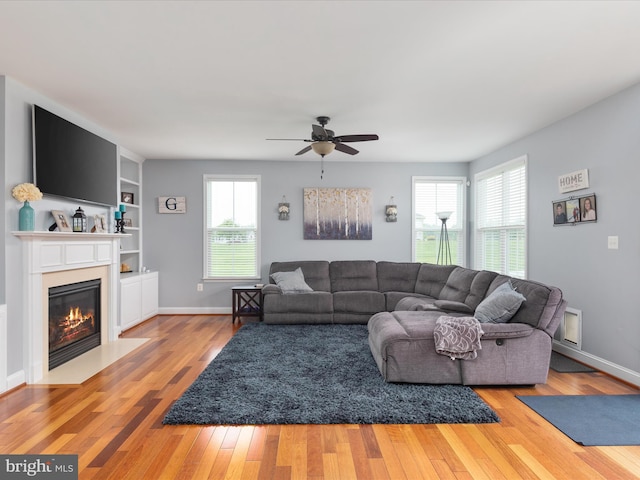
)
(49, 252)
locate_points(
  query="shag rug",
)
(314, 374)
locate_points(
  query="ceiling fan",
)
(324, 141)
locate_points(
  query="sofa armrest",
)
(506, 330)
(271, 288)
(453, 306)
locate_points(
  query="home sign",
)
(573, 181)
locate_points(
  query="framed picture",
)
(99, 223)
(128, 222)
(337, 214)
(126, 197)
(559, 213)
(62, 221)
(575, 210)
(588, 208)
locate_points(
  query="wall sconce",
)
(283, 209)
(391, 211)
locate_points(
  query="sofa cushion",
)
(291, 282)
(393, 299)
(353, 275)
(500, 306)
(431, 278)
(467, 286)
(452, 306)
(316, 272)
(397, 277)
(358, 302)
(308, 303)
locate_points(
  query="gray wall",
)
(173, 244)
(603, 283)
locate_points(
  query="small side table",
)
(246, 301)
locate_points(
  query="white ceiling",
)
(438, 81)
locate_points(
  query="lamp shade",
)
(444, 216)
(323, 148)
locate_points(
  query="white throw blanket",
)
(458, 337)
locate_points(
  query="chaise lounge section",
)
(401, 304)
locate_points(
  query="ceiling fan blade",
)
(346, 149)
(291, 139)
(356, 138)
(304, 150)
(319, 132)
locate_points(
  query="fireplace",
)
(74, 320)
(52, 259)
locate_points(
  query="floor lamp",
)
(444, 250)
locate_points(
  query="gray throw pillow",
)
(500, 306)
(291, 282)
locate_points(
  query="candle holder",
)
(119, 222)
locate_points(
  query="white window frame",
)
(462, 231)
(490, 173)
(230, 178)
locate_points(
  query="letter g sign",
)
(172, 205)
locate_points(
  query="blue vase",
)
(27, 218)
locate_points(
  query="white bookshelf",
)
(138, 290)
(130, 174)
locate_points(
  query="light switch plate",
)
(612, 242)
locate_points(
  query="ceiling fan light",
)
(323, 148)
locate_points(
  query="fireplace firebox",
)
(74, 320)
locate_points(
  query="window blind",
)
(501, 215)
(433, 195)
(231, 237)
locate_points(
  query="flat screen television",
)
(71, 162)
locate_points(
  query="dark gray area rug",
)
(563, 364)
(314, 374)
(591, 420)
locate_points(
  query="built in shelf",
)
(129, 182)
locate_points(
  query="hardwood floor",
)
(113, 422)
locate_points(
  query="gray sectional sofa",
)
(401, 304)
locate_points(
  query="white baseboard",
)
(15, 380)
(194, 311)
(598, 363)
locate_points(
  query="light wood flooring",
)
(113, 421)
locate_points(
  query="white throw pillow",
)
(291, 282)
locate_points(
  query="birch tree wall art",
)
(337, 214)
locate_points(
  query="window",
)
(501, 219)
(231, 227)
(433, 196)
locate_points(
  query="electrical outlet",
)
(612, 242)
(200, 287)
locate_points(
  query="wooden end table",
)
(246, 302)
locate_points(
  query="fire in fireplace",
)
(74, 320)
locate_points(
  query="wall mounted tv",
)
(71, 162)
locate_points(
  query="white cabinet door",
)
(149, 295)
(130, 311)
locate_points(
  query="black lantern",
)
(79, 221)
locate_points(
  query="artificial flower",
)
(26, 192)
